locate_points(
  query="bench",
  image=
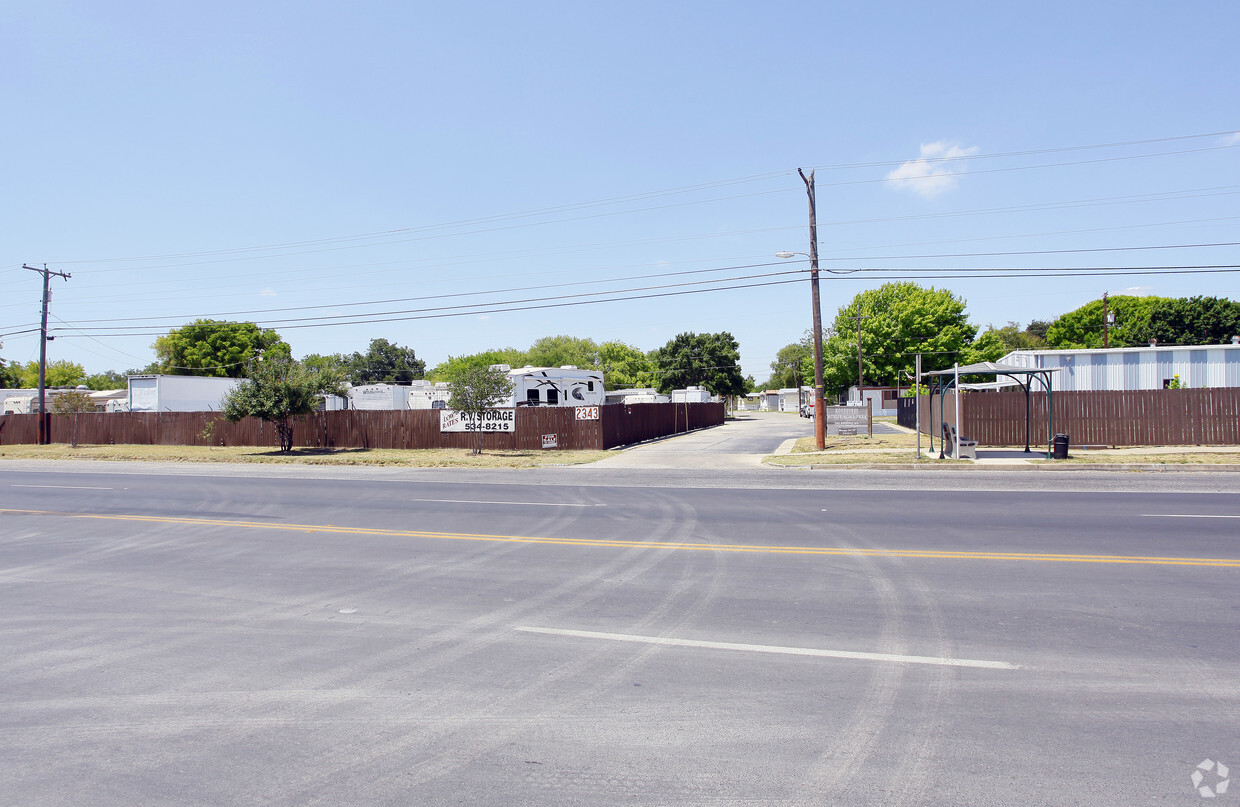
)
(968, 448)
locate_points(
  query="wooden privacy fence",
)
(617, 425)
(1113, 418)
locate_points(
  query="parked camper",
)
(178, 393)
(379, 397)
(636, 396)
(691, 395)
(429, 395)
(555, 386)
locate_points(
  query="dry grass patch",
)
(836, 442)
(409, 458)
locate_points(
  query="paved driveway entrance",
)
(738, 443)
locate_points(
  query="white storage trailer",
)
(379, 397)
(178, 393)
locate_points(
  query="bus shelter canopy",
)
(1023, 376)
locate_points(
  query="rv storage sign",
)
(490, 420)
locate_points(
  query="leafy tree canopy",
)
(109, 379)
(1082, 328)
(280, 391)
(455, 365)
(710, 360)
(72, 402)
(337, 363)
(1193, 321)
(385, 363)
(900, 319)
(788, 369)
(217, 348)
(625, 367)
(59, 373)
(474, 389)
(557, 351)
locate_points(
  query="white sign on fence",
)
(490, 420)
(587, 413)
(551, 441)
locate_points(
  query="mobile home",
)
(178, 393)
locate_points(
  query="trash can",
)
(1059, 450)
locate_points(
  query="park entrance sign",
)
(846, 420)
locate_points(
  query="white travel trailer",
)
(17, 401)
(429, 395)
(635, 396)
(555, 386)
(379, 397)
(178, 393)
(691, 395)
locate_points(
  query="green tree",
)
(279, 391)
(474, 389)
(217, 348)
(59, 373)
(1083, 328)
(557, 351)
(625, 367)
(1192, 321)
(899, 320)
(385, 363)
(74, 403)
(108, 379)
(710, 360)
(455, 365)
(1037, 331)
(788, 369)
(337, 363)
(10, 376)
(989, 346)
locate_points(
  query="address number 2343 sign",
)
(587, 413)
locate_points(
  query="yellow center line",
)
(1233, 563)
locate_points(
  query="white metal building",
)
(1136, 368)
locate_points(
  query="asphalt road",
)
(181, 635)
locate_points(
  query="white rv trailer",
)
(17, 401)
(429, 395)
(379, 396)
(691, 395)
(636, 396)
(179, 393)
(554, 386)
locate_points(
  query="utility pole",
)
(43, 437)
(820, 419)
(1106, 322)
(860, 367)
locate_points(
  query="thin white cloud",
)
(934, 171)
(267, 293)
(1232, 139)
(1140, 290)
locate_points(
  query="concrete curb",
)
(1160, 467)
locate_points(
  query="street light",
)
(820, 432)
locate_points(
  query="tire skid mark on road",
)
(923, 733)
(837, 770)
(461, 744)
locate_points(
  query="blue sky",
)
(277, 162)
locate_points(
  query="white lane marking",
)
(1185, 515)
(62, 487)
(528, 504)
(790, 651)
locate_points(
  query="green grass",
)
(413, 458)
